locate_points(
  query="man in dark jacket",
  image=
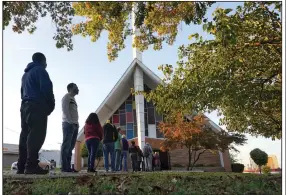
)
(38, 103)
(110, 134)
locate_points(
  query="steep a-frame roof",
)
(121, 91)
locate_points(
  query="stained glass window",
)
(125, 116)
(135, 131)
(122, 107)
(128, 107)
(129, 117)
(115, 119)
(151, 117)
(130, 134)
(122, 111)
(122, 119)
(129, 126)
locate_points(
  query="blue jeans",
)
(108, 148)
(124, 158)
(92, 146)
(117, 159)
(70, 132)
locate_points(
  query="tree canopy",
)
(25, 14)
(157, 22)
(238, 73)
(259, 157)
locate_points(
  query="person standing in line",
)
(118, 145)
(148, 155)
(70, 126)
(110, 135)
(93, 135)
(38, 103)
(139, 158)
(133, 151)
(124, 152)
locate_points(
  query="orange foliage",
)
(179, 131)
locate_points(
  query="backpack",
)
(146, 151)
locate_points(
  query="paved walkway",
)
(13, 175)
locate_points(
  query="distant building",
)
(10, 154)
(54, 155)
(272, 162)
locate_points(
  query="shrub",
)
(266, 169)
(84, 152)
(199, 165)
(210, 165)
(177, 165)
(259, 157)
(237, 167)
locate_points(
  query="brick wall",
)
(177, 156)
(181, 156)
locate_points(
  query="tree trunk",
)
(190, 159)
(260, 169)
(196, 159)
(193, 164)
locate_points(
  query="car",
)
(43, 163)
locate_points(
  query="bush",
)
(199, 165)
(266, 169)
(84, 152)
(259, 157)
(177, 165)
(210, 165)
(237, 167)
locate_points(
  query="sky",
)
(88, 66)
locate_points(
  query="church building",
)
(139, 119)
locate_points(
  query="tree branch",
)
(198, 158)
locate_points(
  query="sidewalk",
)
(58, 174)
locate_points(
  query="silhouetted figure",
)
(38, 103)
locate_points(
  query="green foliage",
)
(84, 151)
(157, 22)
(237, 167)
(259, 157)
(233, 157)
(238, 73)
(24, 15)
(266, 169)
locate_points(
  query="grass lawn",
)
(175, 183)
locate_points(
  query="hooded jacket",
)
(110, 133)
(37, 87)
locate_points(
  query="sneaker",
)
(74, 171)
(37, 170)
(20, 172)
(91, 171)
